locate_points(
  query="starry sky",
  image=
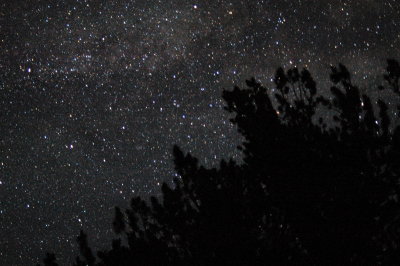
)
(93, 94)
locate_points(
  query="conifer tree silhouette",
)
(85, 250)
(307, 193)
(50, 260)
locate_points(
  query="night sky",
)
(94, 94)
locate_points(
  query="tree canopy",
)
(308, 191)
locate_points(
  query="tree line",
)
(308, 191)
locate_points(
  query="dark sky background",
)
(94, 94)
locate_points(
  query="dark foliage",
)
(118, 223)
(50, 260)
(86, 252)
(307, 193)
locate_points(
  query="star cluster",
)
(94, 94)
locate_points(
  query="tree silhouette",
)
(307, 192)
(50, 260)
(333, 184)
(85, 250)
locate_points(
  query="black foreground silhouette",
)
(307, 193)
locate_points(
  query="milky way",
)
(95, 93)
